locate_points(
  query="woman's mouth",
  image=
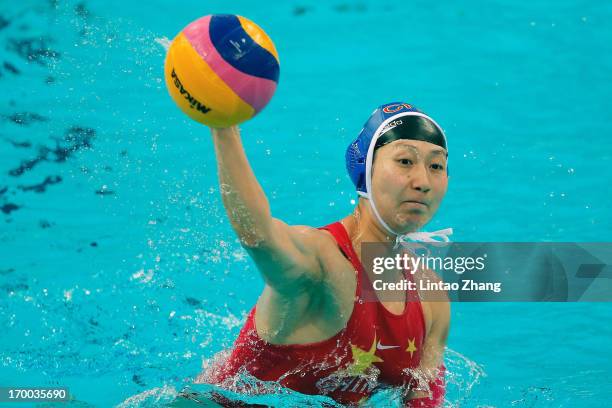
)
(416, 203)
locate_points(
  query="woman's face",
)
(409, 181)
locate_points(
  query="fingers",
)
(232, 130)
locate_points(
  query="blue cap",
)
(381, 120)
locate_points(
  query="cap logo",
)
(396, 107)
(390, 126)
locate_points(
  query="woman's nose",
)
(420, 178)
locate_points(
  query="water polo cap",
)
(390, 122)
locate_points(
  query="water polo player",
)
(311, 330)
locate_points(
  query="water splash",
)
(151, 398)
(462, 376)
(165, 42)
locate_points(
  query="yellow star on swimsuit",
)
(363, 359)
(411, 347)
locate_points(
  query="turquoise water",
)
(119, 273)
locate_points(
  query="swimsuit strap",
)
(343, 240)
(341, 236)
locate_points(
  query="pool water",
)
(119, 273)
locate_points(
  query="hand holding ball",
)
(221, 70)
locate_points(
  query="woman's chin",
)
(405, 226)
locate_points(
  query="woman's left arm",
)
(429, 387)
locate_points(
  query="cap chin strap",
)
(418, 236)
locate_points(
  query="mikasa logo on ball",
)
(193, 103)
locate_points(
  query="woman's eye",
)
(405, 162)
(437, 166)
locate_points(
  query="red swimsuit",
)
(376, 347)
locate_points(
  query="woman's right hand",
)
(222, 132)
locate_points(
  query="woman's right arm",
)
(285, 255)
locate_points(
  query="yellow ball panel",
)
(258, 35)
(198, 91)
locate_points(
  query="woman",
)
(311, 329)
